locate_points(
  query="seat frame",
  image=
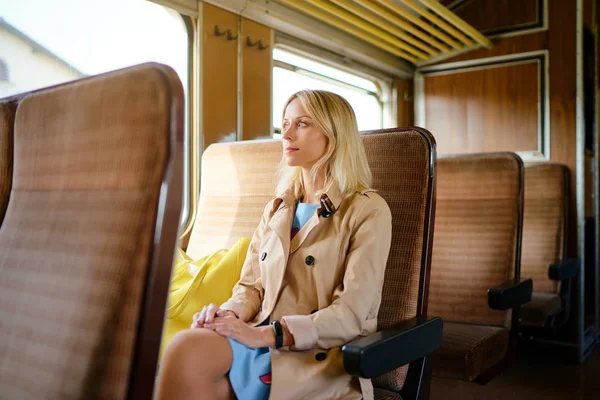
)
(410, 342)
(564, 271)
(144, 360)
(512, 293)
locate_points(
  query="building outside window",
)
(44, 43)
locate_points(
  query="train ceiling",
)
(414, 30)
(391, 36)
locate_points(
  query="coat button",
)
(321, 356)
(263, 256)
(310, 260)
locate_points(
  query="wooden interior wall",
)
(220, 77)
(485, 18)
(588, 13)
(589, 106)
(257, 77)
(484, 110)
(406, 104)
(560, 42)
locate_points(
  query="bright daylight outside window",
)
(292, 73)
(44, 43)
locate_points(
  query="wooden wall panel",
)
(256, 81)
(219, 76)
(406, 103)
(483, 15)
(506, 46)
(563, 92)
(559, 40)
(484, 110)
(588, 13)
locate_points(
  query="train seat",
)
(543, 253)
(7, 117)
(87, 242)
(239, 178)
(475, 275)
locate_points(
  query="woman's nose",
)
(288, 134)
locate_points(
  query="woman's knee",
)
(195, 347)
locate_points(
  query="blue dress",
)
(250, 373)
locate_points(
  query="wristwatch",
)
(278, 333)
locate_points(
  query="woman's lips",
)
(290, 149)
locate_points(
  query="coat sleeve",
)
(360, 291)
(248, 291)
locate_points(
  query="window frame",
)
(191, 136)
(384, 82)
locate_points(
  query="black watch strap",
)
(278, 333)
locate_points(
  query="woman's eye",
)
(302, 124)
(285, 125)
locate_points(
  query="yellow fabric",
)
(195, 284)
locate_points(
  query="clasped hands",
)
(227, 324)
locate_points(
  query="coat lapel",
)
(281, 222)
(303, 233)
(332, 197)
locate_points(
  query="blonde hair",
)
(345, 161)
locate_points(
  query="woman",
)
(312, 279)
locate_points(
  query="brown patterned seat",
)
(544, 238)
(7, 117)
(476, 248)
(87, 242)
(238, 179)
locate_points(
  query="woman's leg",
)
(194, 366)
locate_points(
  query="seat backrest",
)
(403, 163)
(477, 235)
(7, 118)
(87, 243)
(544, 223)
(238, 179)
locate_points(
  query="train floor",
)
(529, 378)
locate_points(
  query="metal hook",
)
(261, 46)
(230, 35)
(258, 43)
(228, 32)
(219, 32)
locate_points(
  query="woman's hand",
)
(253, 337)
(207, 315)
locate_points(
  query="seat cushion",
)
(469, 350)
(540, 309)
(382, 394)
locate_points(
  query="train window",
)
(44, 43)
(292, 73)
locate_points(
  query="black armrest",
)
(394, 347)
(510, 294)
(564, 270)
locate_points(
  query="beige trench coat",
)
(326, 283)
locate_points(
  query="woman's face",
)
(303, 143)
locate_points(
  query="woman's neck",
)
(310, 187)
